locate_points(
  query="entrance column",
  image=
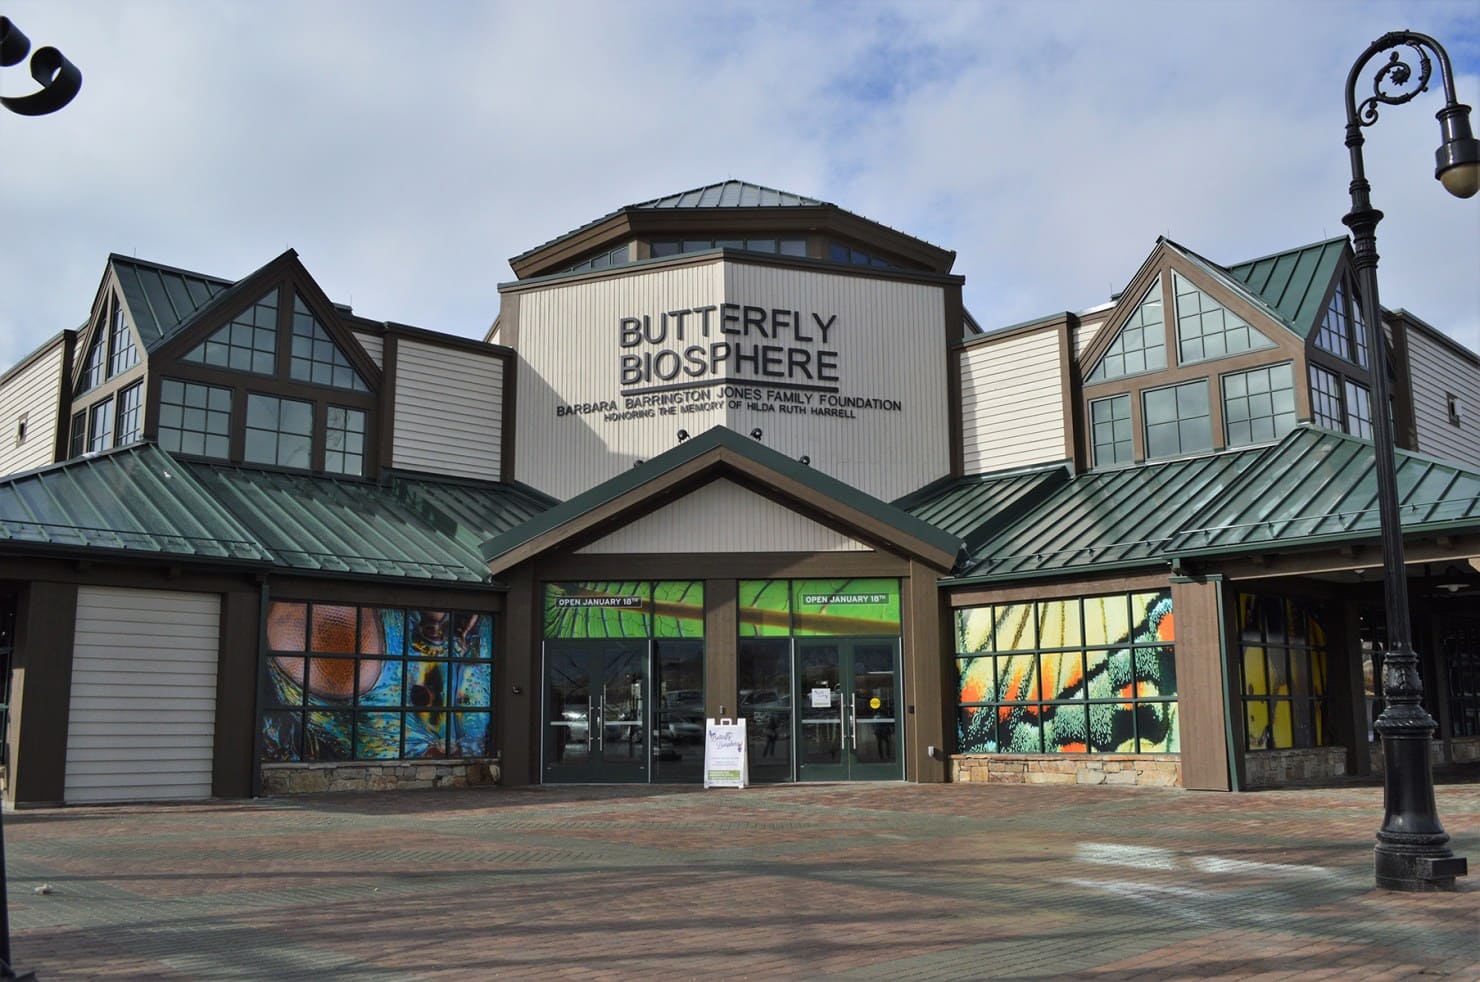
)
(721, 634)
(518, 667)
(1203, 696)
(925, 664)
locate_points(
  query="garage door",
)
(143, 706)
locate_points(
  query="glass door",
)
(596, 725)
(848, 720)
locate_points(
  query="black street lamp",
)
(1411, 851)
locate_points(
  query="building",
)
(730, 452)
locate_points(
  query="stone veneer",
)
(1147, 770)
(364, 775)
(1277, 768)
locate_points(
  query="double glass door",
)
(848, 710)
(596, 699)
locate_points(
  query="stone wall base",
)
(1146, 770)
(1463, 750)
(1277, 768)
(379, 775)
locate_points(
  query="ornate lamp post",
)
(1411, 851)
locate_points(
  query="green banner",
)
(625, 609)
(845, 607)
(765, 608)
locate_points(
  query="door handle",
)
(595, 733)
(853, 713)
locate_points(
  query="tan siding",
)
(449, 411)
(889, 337)
(724, 517)
(374, 346)
(1085, 335)
(141, 723)
(1437, 371)
(1012, 410)
(35, 393)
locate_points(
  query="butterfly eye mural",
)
(344, 682)
(1079, 675)
(60, 79)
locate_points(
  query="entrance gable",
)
(721, 517)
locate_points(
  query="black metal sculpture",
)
(60, 79)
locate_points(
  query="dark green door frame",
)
(848, 726)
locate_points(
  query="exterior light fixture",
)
(805, 460)
(1411, 852)
(60, 79)
(683, 435)
(756, 434)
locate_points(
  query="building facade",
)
(730, 452)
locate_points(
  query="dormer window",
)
(247, 344)
(1141, 344)
(316, 358)
(1206, 329)
(1343, 332)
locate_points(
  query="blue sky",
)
(406, 151)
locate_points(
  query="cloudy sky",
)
(407, 150)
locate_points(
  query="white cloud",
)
(407, 155)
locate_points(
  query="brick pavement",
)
(854, 882)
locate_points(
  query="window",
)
(279, 431)
(1110, 420)
(1258, 405)
(20, 428)
(345, 682)
(247, 344)
(92, 370)
(1452, 407)
(1074, 675)
(100, 426)
(615, 257)
(795, 246)
(1325, 398)
(77, 442)
(344, 441)
(838, 252)
(1206, 329)
(121, 343)
(1282, 660)
(1178, 420)
(1358, 410)
(194, 418)
(1343, 332)
(1141, 344)
(130, 420)
(316, 358)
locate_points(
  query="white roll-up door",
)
(143, 707)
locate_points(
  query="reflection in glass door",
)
(596, 712)
(848, 719)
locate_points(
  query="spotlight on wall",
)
(756, 434)
(805, 460)
(683, 435)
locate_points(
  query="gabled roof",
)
(134, 499)
(327, 525)
(723, 452)
(978, 507)
(162, 298)
(1314, 488)
(1317, 486)
(1294, 282)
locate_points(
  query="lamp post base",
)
(1412, 852)
(1410, 873)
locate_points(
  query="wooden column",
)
(721, 641)
(40, 694)
(1202, 703)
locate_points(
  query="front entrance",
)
(848, 721)
(596, 697)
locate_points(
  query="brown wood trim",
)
(139, 572)
(1202, 711)
(1342, 559)
(389, 357)
(1072, 406)
(955, 326)
(40, 697)
(508, 439)
(386, 595)
(1016, 331)
(976, 596)
(923, 666)
(237, 662)
(248, 291)
(721, 648)
(1130, 299)
(64, 397)
(709, 566)
(302, 283)
(519, 667)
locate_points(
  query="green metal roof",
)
(716, 438)
(1294, 282)
(327, 525)
(134, 499)
(732, 194)
(1317, 487)
(978, 507)
(1109, 519)
(161, 298)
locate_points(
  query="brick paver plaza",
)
(859, 882)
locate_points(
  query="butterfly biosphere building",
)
(729, 452)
